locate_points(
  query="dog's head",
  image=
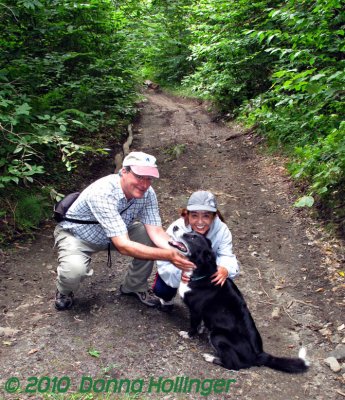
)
(199, 250)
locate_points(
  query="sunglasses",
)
(141, 178)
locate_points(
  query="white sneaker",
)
(166, 306)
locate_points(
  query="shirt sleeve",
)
(225, 256)
(170, 274)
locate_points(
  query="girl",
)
(201, 216)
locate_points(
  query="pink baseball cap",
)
(141, 164)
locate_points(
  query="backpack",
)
(62, 206)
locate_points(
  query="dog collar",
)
(197, 278)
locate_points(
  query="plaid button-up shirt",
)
(103, 201)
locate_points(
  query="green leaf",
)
(270, 38)
(18, 149)
(305, 201)
(317, 77)
(5, 103)
(323, 190)
(94, 353)
(75, 121)
(23, 109)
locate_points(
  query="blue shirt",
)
(103, 201)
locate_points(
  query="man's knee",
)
(73, 268)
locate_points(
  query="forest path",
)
(287, 268)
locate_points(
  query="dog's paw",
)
(201, 328)
(184, 334)
(209, 357)
(303, 355)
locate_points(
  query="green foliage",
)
(64, 68)
(66, 72)
(31, 210)
(27, 138)
(167, 39)
(303, 110)
(230, 66)
(322, 162)
(176, 151)
(22, 210)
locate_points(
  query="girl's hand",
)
(220, 276)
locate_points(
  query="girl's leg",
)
(162, 290)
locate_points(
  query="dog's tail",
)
(290, 365)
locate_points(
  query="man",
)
(117, 202)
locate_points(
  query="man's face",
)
(134, 186)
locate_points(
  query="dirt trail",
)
(286, 268)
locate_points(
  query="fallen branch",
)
(125, 149)
(129, 140)
(259, 273)
(296, 322)
(237, 135)
(261, 285)
(306, 304)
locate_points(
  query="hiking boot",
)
(166, 306)
(147, 297)
(63, 301)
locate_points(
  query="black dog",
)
(232, 330)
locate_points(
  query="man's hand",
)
(185, 278)
(220, 276)
(181, 262)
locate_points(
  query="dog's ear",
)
(205, 262)
(209, 255)
(209, 243)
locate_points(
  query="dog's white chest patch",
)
(183, 289)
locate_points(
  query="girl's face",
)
(200, 221)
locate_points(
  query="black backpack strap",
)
(80, 221)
